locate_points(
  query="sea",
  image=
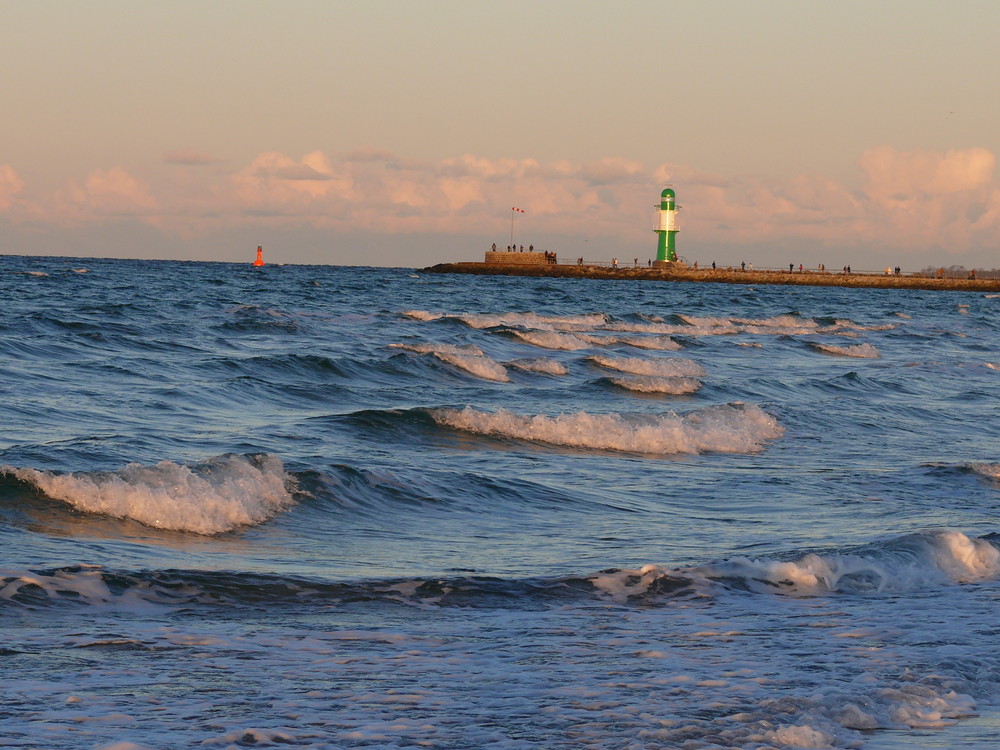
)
(344, 507)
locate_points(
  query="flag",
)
(517, 209)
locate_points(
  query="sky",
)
(396, 133)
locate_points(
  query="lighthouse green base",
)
(666, 246)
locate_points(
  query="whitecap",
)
(991, 471)
(860, 351)
(732, 428)
(423, 315)
(660, 367)
(217, 495)
(468, 358)
(533, 320)
(552, 340)
(911, 562)
(653, 384)
(658, 343)
(541, 365)
(475, 364)
(434, 348)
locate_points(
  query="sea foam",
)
(439, 348)
(552, 340)
(541, 365)
(731, 428)
(468, 358)
(653, 384)
(860, 351)
(660, 367)
(212, 497)
(908, 563)
(659, 343)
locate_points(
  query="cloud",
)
(10, 185)
(105, 193)
(908, 201)
(189, 157)
(898, 176)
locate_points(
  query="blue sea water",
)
(328, 507)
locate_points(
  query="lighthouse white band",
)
(668, 221)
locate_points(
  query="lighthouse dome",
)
(667, 193)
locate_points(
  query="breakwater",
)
(722, 276)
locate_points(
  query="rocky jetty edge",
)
(723, 276)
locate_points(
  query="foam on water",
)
(552, 340)
(470, 359)
(436, 348)
(731, 428)
(657, 367)
(909, 563)
(212, 497)
(541, 365)
(653, 384)
(657, 343)
(861, 351)
(987, 470)
(481, 366)
(521, 319)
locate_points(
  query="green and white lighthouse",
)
(666, 228)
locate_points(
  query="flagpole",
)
(513, 211)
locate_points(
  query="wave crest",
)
(541, 365)
(675, 386)
(660, 367)
(907, 563)
(732, 428)
(861, 351)
(469, 358)
(552, 340)
(218, 495)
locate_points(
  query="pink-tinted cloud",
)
(899, 176)
(10, 185)
(908, 200)
(104, 195)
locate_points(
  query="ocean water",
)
(327, 507)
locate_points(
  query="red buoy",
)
(260, 256)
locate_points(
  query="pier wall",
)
(720, 276)
(515, 259)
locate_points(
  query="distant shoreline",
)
(722, 276)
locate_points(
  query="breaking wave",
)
(907, 563)
(861, 351)
(658, 367)
(653, 384)
(469, 359)
(439, 348)
(731, 428)
(912, 562)
(526, 320)
(552, 340)
(541, 365)
(992, 471)
(215, 496)
(658, 343)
